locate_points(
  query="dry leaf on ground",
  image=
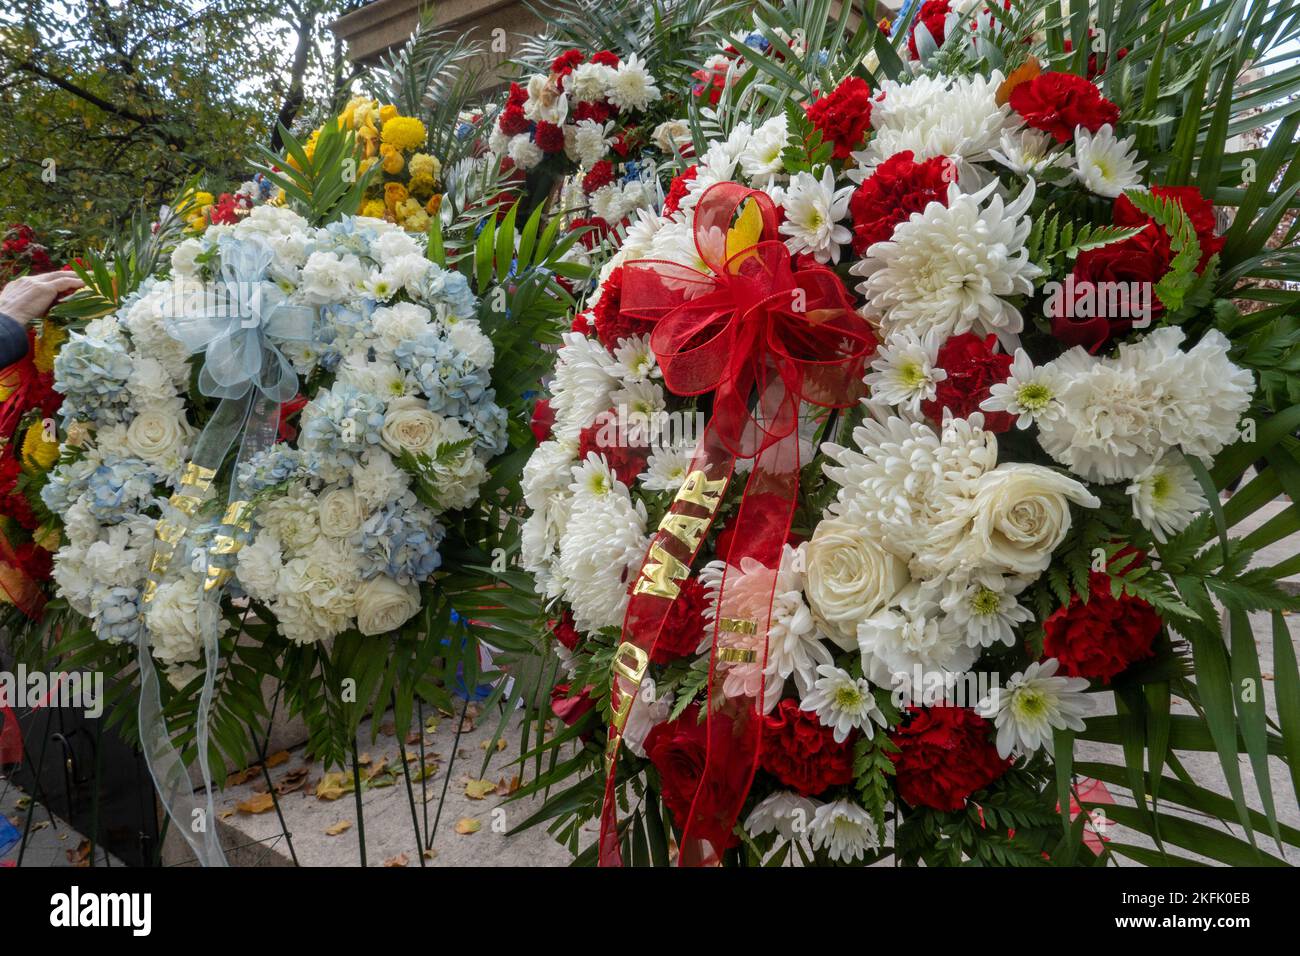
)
(468, 825)
(257, 803)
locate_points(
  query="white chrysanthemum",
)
(585, 377)
(844, 830)
(1032, 705)
(258, 567)
(591, 141)
(813, 212)
(983, 607)
(293, 518)
(1028, 393)
(904, 371)
(1030, 153)
(675, 242)
(843, 702)
(667, 467)
(589, 82)
(760, 160)
(1166, 496)
(638, 236)
(937, 116)
(949, 268)
(601, 548)
(913, 637)
(784, 812)
(524, 152)
(634, 359)
(632, 87)
(642, 410)
(1105, 164)
(548, 471)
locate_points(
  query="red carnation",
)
(611, 324)
(601, 174)
(589, 110)
(1093, 66)
(625, 456)
(1198, 209)
(899, 187)
(843, 116)
(933, 15)
(1058, 102)
(517, 96)
(973, 369)
(513, 121)
(583, 324)
(597, 229)
(1102, 636)
(542, 420)
(684, 626)
(564, 63)
(564, 631)
(802, 753)
(624, 141)
(944, 755)
(549, 137)
(606, 58)
(571, 709)
(678, 188)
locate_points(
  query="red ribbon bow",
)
(760, 337)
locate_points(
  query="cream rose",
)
(409, 426)
(849, 577)
(157, 435)
(339, 512)
(1020, 514)
(383, 605)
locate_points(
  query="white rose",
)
(849, 577)
(340, 513)
(672, 135)
(1020, 514)
(157, 435)
(409, 426)
(383, 605)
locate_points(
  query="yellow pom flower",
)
(39, 454)
(47, 346)
(421, 185)
(422, 164)
(387, 112)
(366, 164)
(417, 220)
(374, 208)
(393, 161)
(404, 132)
(394, 193)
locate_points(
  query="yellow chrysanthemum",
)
(404, 132)
(39, 454)
(386, 112)
(374, 208)
(394, 193)
(392, 159)
(47, 346)
(420, 186)
(422, 164)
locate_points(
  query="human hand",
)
(30, 297)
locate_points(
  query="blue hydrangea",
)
(487, 420)
(345, 237)
(119, 488)
(451, 382)
(757, 41)
(91, 374)
(274, 465)
(448, 288)
(401, 541)
(116, 612)
(342, 420)
(66, 484)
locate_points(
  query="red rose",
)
(513, 121)
(678, 749)
(1102, 636)
(944, 755)
(625, 458)
(843, 116)
(973, 369)
(564, 631)
(601, 174)
(543, 420)
(571, 709)
(596, 112)
(684, 625)
(899, 187)
(802, 753)
(549, 137)
(933, 15)
(606, 58)
(1197, 208)
(678, 188)
(611, 324)
(1058, 102)
(564, 63)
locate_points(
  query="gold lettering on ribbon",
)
(630, 663)
(660, 574)
(684, 528)
(699, 490)
(662, 570)
(238, 515)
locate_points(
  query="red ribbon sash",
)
(759, 337)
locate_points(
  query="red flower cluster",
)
(542, 420)
(564, 631)
(899, 187)
(611, 324)
(944, 755)
(597, 229)
(1144, 258)
(606, 58)
(932, 16)
(13, 503)
(1102, 636)
(973, 369)
(843, 116)
(678, 750)
(596, 112)
(571, 709)
(678, 188)
(549, 137)
(684, 625)
(21, 254)
(710, 83)
(601, 174)
(1058, 102)
(564, 64)
(603, 436)
(1095, 67)
(802, 753)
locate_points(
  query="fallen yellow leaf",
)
(467, 825)
(478, 789)
(338, 828)
(277, 758)
(400, 860)
(334, 785)
(257, 803)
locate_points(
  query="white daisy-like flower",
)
(784, 812)
(634, 360)
(632, 87)
(813, 212)
(585, 378)
(845, 830)
(1032, 705)
(1029, 393)
(1166, 496)
(904, 371)
(667, 467)
(524, 152)
(915, 637)
(983, 607)
(590, 141)
(951, 268)
(1106, 165)
(1030, 153)
(642, 409)
(843, 702)
(760, 160)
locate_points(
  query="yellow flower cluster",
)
(407, 190)
(38, 452)
(193, 208)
